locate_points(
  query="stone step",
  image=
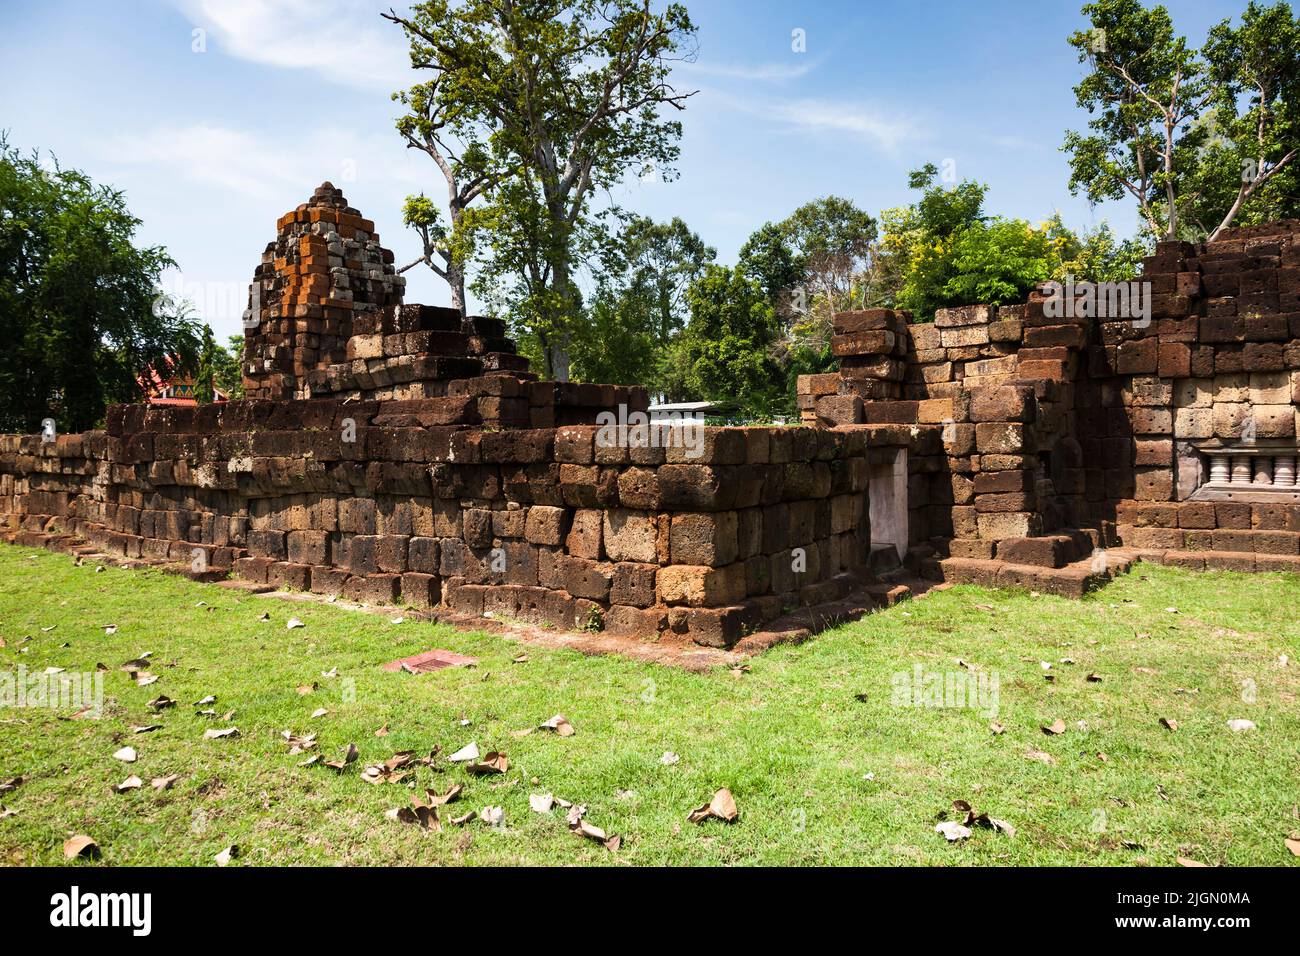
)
(1073, 581)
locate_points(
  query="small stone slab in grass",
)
(434, 660)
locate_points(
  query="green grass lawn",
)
(824, 766)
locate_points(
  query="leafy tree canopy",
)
(80, 315)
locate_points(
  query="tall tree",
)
(640, 305)
(1256, 73)
(435, 126)
(725, 352)
(80, 316)
(572, 91)
(1145, 87)
(1197, 138)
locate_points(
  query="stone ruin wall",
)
(396, 454)
(1038, 439)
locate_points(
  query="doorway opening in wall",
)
(887, 508)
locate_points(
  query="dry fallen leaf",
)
(1293, 845)
(215, 734)
(349, 756)
(1040, 756)
(130, 783)
(582, 828)
(382, 731)
(541, 802)
(1168, 723)
(161, 702)
(80, 845)
(464, 754)
(146, 729)
(294, 622)
(952, 831)
(226, 855)
(1239, 724)
(7, 786)
(492, 763)
(493, 816)
(164, 783)
(721, 807)
(1055, 727)
(126, 755)
(997, 727)
(1185, 861)
(318, 712)
(560, 724)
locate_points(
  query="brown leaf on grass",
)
(390, 771)
(584, 829)
(318, 712)
(493, 762)
(126, 755)
(1187, 861)
(465, 754)
(226, 855)
(161, 702)
(1040, 756)
(12, 784)
(438, 800)
(6, 812)
(1145, 670)
(130, 783)
(209, 699)
(1102, 757)
(1168, 723)
(349, 756)
(740, 670)
(1093, 678)
(146, 729)
(997, 727)
(1293, 845)
(299, 744)
(135, 664)
(80, 845)
(143, 678)
(420, 815)
(541, 802)
(493, 816)
(463, 819)
(721, 807)
(305, 689)
(952, 830)
(215, 734)
(1055, 727)
(520, 659)
(560, 725)
(164, 783)
(382, 731)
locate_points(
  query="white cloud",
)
(756, 73)
(816, 115)
(255, 166)
(347, 43)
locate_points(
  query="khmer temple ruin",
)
(393, 453)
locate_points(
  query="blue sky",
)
(212, 146)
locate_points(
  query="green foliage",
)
(560, 98)
(1199, 139)
(814, 263)
(640, 305)
(725, 351)
(80, 316)
(944, 251)
(218, 366)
